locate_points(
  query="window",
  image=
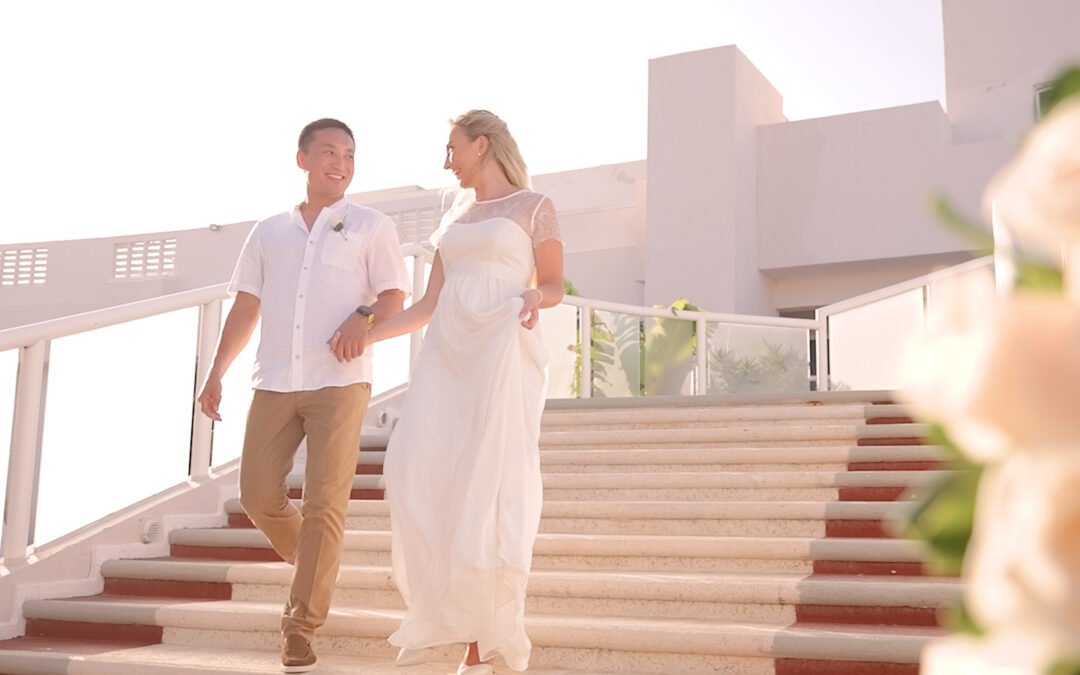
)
(1042, 99)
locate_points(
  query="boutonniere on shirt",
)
(339, 227)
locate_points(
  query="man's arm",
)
(388, 278)
(239, 325)
(348, 340)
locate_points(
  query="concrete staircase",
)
(684, 538)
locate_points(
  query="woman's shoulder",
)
(531, 200)
(533, 195)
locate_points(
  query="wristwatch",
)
(364, 310)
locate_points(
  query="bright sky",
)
(131, 116)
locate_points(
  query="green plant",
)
(778, 369)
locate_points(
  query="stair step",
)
(740, 486)
(738, 479)
(673, 509)
(643, 438)
(759, 518)
(668, 459)
(653, 643)
(678, 537)
(714, 414)
(892, 600)
(703, 457)
(904, 433)
(52, 656)
(612, 552)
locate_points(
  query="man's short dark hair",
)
(325, 123)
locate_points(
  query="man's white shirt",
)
(308, 283)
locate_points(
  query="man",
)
(316, 276)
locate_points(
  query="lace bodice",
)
(533, 212)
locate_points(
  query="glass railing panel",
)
(616, 355)
(117, 426)
(757, 359)
(866, 343)
(668, 359)
(236, 393)
(559, 330)
(390, 367)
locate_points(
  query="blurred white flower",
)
(1023, 562)
(998, 373)
(1030, 388)
(1011, 652)
(1037, 195)
(942, 368)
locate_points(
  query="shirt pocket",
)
(343, 253)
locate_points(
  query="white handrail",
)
(906, 286)
(29, 334)
(689, 315)
(923, 283)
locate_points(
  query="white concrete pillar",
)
(701, 206)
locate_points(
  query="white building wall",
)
(996, 53)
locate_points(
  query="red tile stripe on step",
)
(240, 520)
(166, 588)
(871, 494)
(224, 553)
(918, 465)
(904, 440)
(364, 493)
(855, 528)
(889, 420)
(822, 667)
(87, 630)
(867, 615)
(905, 569)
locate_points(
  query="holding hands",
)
(349, 339)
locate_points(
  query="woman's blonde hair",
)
(504, 149)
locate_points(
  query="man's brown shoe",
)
(296, 655)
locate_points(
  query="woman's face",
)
(464, 156)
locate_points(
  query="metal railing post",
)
(202, 427)
(821, 348)
(22, 463)
(702, 330)
(585, 386)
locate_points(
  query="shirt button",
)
(298, 326)
(297, 357)
(305, 266)
(300, 296)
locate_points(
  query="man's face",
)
(328, 161)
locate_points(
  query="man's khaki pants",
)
(309, 537)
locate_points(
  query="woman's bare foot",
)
(472, 656)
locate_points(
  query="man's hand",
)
(348, 340)
(210, 398)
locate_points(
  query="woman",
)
(462, 466)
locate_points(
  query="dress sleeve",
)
(545, 223)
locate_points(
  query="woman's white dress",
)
(462, 467)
